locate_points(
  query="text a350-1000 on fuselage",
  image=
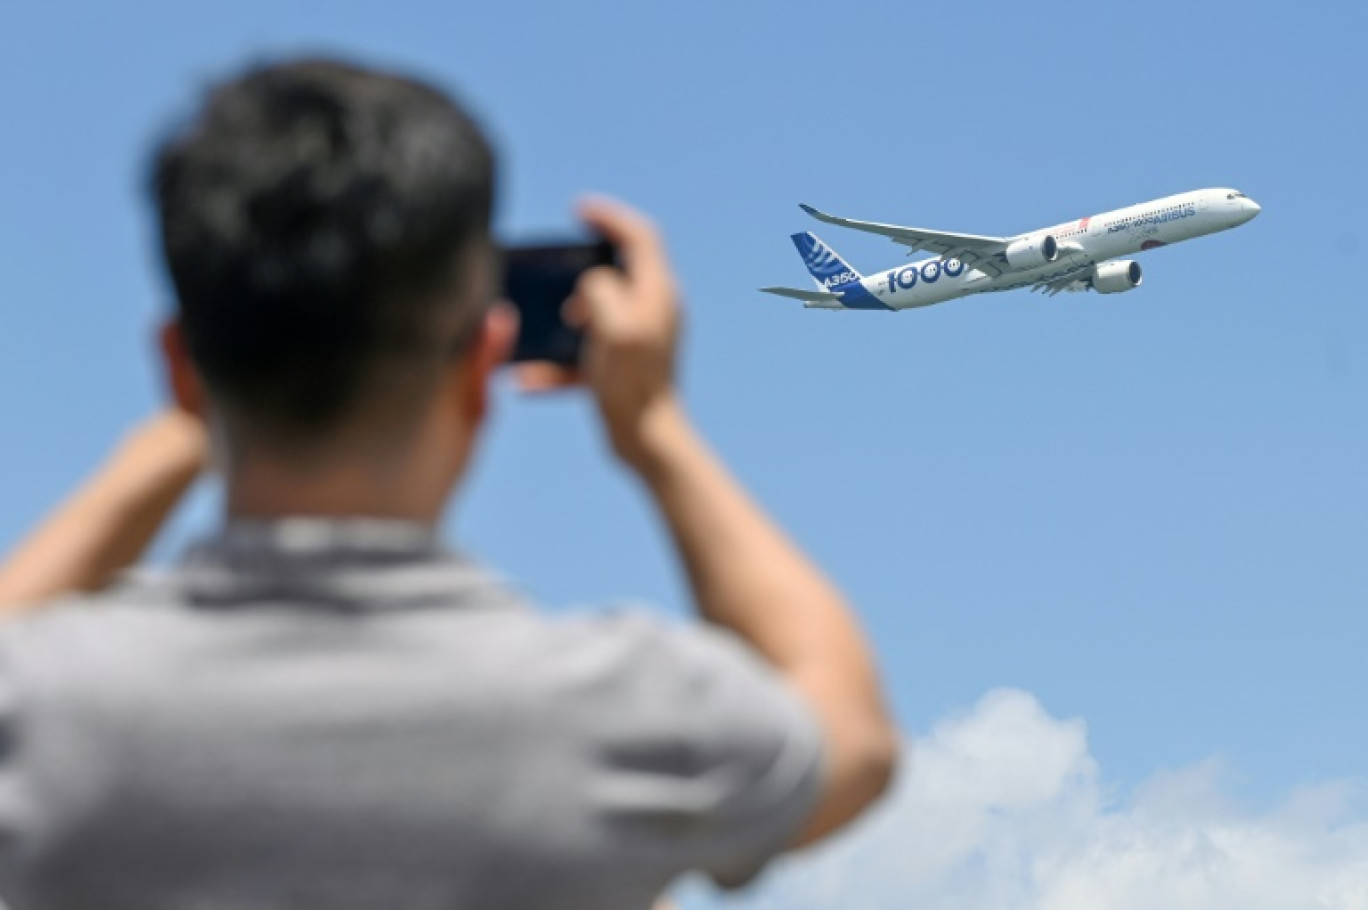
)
(1078, 255)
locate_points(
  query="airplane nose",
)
(1246, 210)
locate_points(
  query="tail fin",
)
(831, 272)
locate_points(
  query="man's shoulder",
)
(132, 610)
(637, 645)
(645, 675)
(132, 597)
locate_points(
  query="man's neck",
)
(265, 489)
(404, 471)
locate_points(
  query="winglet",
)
(821, 215)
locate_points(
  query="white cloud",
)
(1002, 809)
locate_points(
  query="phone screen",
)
(538, 279)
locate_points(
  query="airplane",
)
(1075, 256)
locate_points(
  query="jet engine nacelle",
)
(1030, 252)
(1115, 277)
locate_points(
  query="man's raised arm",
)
(745, 574)
(105, 525)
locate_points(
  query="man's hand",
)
(105, 525)
(630, 317)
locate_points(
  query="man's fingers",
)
(620, 223)
(575, 311)
(602, 298)
(636, 238)
(545, 377)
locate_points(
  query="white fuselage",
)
(1083, 244)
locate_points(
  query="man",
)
(320, 706)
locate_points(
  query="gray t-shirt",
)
(333, 715)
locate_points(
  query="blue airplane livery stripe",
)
(834, 274)
(857, 297)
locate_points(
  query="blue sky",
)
(1149, 511)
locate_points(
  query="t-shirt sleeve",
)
(11, 791)
(711, 760)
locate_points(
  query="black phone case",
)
(538, 280)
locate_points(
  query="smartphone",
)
(538, 279)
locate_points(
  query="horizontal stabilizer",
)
(811, 298)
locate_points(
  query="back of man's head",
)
(321, 223)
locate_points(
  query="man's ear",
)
(182, 378)
(490, 350)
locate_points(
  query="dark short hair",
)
(316, 220)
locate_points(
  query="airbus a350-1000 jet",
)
(1076, 256)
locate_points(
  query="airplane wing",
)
(820, 299)
(974, 250)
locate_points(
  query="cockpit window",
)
(1235, 196)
